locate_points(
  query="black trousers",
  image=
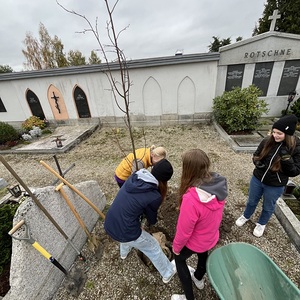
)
(184, 273)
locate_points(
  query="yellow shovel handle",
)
(39, 248)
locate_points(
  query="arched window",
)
(34, 104)
(81, 103)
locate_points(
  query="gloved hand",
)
(284, 153)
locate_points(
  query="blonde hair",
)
(159, 152)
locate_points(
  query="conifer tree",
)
(289, 21)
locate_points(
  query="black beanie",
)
(286, 124)
(162, 170)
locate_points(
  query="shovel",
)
(75, 284)
(93, 241)
(100, 213)
(42, 208)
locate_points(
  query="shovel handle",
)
(39, 204)
(16, 227)
(46, 254)
(74, 189)
(59, 188)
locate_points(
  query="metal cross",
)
(274, 17)
(56, 102)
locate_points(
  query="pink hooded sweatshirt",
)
(199, 220)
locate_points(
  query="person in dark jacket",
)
(276, 159)
(141, 196)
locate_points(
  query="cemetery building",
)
(169, 90)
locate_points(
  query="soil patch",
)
(4, 280)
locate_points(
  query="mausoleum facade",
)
(164, 91)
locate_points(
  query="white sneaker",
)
(259, 230)
(241, 221)
(178, 297)
(168, 279)
(199, 283)
(191, 269)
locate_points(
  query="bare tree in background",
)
(119, 89)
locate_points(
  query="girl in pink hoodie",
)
(202, 197)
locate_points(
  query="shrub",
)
(29, 123)
(7, 212)
(295, 108)
(7, 133)
(239, 109)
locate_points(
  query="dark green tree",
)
(217, 43)
(289, 21)
(5, 69)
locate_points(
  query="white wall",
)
(166, 90)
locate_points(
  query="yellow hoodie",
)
(124, 169)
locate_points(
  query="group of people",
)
(202, 197)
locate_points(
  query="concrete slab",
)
(70, 136)
(248, 140)
(246, 145)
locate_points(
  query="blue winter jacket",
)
(137, 197)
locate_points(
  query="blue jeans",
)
(270, 194)
(147, 244)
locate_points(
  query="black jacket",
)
(290, 167)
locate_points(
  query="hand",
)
(284, 153)
(174, 251)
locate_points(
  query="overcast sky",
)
(155, 27)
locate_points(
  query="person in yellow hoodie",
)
(146, 157)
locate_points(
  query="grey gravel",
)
(96, 158)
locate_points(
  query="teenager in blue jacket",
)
(141, 196)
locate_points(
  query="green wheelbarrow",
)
(240, 271)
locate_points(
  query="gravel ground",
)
(96, 158)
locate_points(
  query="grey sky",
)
(156, 27)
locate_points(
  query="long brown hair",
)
(163, 188)
(290, 142)
(195, 170)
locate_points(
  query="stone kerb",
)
(288, 221)
(32, 276)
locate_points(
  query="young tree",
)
(289, 21)
(119, 86)
(5, 69)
